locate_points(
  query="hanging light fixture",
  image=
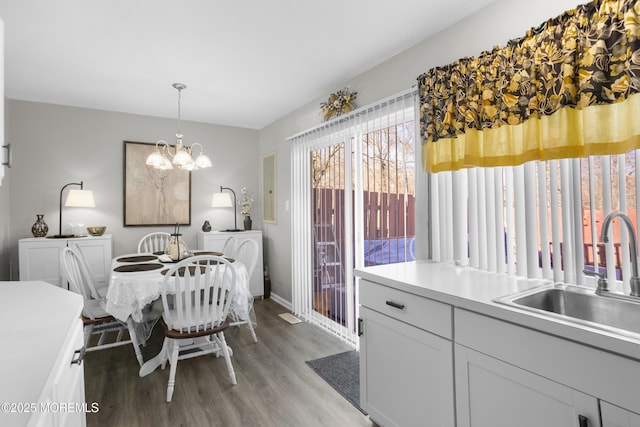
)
(182, 155)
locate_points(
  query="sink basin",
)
(582, 306)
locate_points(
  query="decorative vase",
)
(247, 222)
(206, 227)
(177, 249)
(39, 228)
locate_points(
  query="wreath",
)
(338, 103)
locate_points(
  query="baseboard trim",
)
(283, 302)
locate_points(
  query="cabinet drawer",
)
(418, 311)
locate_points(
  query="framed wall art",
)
(153, 197)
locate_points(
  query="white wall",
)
(494, 25)
(54, 145)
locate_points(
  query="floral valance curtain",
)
(567, 89)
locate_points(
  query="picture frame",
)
(269, 188)
(153, 197)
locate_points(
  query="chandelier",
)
(181, 155)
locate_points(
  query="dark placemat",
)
(198, 253)
(137, 258)
(132, 268)
(213, 262)
(192, 270)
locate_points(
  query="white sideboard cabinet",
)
(39, 258)
(215, 240)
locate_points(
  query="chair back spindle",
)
(247, 253)
(197, 292)
(154, 242)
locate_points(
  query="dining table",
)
(135, 284)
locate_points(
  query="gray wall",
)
(494, 25)
(54, 145)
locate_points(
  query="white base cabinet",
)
(406, 371)
(215, 240)
(62, 402)
(39, 258)
(492, 393)
(43, 373)
(512, 368)
(614, 416)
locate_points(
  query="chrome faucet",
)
(634, 281)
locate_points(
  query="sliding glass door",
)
(352, 206)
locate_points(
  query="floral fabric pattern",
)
(588, 56)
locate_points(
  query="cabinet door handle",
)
(583, 421)
(78, 356)
(360, 332)
(7, 161)
(395, 305)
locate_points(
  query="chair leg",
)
(175, 348)
(252, 330)
(134, 341)
(164, 352)
(227, 357)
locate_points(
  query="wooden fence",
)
(385, 216)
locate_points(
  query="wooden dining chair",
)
(154, 242)
(196, 296)
(247, 253)
(96, 321)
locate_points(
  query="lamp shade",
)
(80, 199)
(203, 161)
(221, 200)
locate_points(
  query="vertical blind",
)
(346, 131)
(541, 219)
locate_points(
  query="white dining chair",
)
(154, 242)
(247, 253)
(196, 295)
(101, 289)
(95, 319)
(229, 246)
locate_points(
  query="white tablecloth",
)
(132, 294)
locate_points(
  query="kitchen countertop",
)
(37, 318)
(474, 290)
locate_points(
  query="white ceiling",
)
(245, 62)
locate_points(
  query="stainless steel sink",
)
(582, 306)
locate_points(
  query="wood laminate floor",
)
(275, 386)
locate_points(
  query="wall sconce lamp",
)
(75, 198)
(223, 200)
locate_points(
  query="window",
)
(541, 219)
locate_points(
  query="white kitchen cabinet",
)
(406, 368)
(214, 241)
(614, 416)
(492, 393)
(511, 368)
(39, 258)
(513, 361)
(43, 374)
